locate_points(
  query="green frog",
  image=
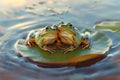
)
(64, 37)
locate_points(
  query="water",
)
(17, 19)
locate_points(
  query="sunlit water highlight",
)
(17, 20)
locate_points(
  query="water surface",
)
(17, 19)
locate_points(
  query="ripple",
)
(48, 8)
(81, 13)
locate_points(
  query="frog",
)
(63, 37)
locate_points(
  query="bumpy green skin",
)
(76, 36)
(64, 37)
(49, 39)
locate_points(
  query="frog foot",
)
(30, 42)
(85, 45)
(59, 45)
(49, 48)
(67, 48)
(51, 51)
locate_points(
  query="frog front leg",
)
(50, 48)
(30, 40)
(69, 48)
(86, 40)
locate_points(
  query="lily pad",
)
(113, 26)
(78, 58)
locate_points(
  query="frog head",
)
(46, 37)
(66, 33)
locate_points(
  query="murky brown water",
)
(16, 21)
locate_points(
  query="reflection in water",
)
(15, 22)
(47, 8)
(12, 3)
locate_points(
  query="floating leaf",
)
(84, 57)
(86, 60)
(113, 26)
(78, 58)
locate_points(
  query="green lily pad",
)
(113, 26)
(100, 45)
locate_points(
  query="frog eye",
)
(47, 28)
(69, 24)
(86, 35)
(32, 35)
(61, 22)
(54, 27)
